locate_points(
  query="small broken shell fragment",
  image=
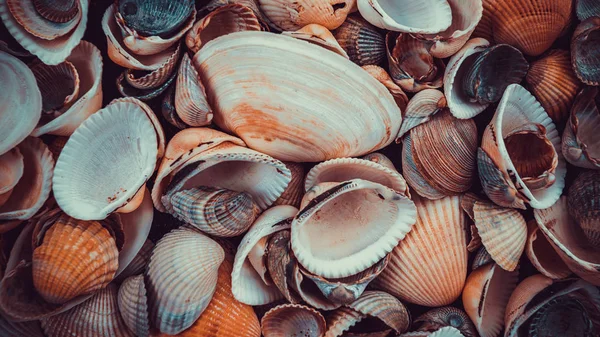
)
(586, 9)
(320, 36)
(157, 17)
(292, 320)
(584, 199)
(11, 169)
(438, 318)
(482, 258)
(363, 42)
(191, 104)
(420, 109)
(542, 255)
(580, 141)
(291, 15)
(421, 17)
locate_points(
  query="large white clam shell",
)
(325, 107)
(20, 102)
(424, 17)
(117, 147)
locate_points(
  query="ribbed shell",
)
(292, 320)
(133, 305)
(139, 262)
(293, 15)
(587, 8)
(75, 258)
(580, 141)
(429, 266)
(59, 86)
(552, 81)
(584, 200)
(156, 78)
(542, 255)
(420, 17)
(420, 109)
(340, 320)
(585, 54)
(482, 257)
(28, 17)
(97, 317)
(363, 42)
(295, 190)
(181, 279)
(446, 316)
(320, 36)
(190, 96)
(159, 17)
(57, 11)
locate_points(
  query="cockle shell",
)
(127, 90)
(422, 270)
(370, 121)
(343, 169)
(580, 142)
(363, 42)
(436, 319)
(21, 102)
(420, 108)
(520, 160)
(28, 17)
(59, 86)
(130, 130)
(57, 11)
(586, 8)
(292, 15)
(553, 83)
(485, 296)
(443, 332)
(181, 279)
(133, 305)
(320, 36)
(384, 78)
(423, 17)
(291, 320)
(357, 222)
(295, 190)
(247, 283)
(97, 317)
(585, 54)
(20, 329)
(145, 16)
(583, 205)
(50, 51)
(221, 21)
(11, 167)
(35, 183)
(542, 255)
(191, 103)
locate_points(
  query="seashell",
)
(96, 317)
(223, 20)
(426, 162)
(19, 329)
(127, 90)
(57, 11)
(539, 306)
(363, 42)
(384, 78)
(181, 279)
(460, 105)
(11, 167)
(553, 83)
(247, 284)
(14, 49)
(219, 212)
(420, 108)
(191, 104)
(168, 109)
(295, 190)
(369, 121)
(579, 141)
(583, 201)
(21, 102)
(467, 203)
(281, 263)
(87, 60)
(142, 17)
(411, 64)
(344, 169)
(293, 15)
(382, 306)
(380, 159)
(51, 42)
(482, 257)
(59, 86)
(486, 295)
(542, 256)
(512, 174)
(484, 27)
(304, 289)
(35, 183)
(439, 318)
(423, 17)
(291, 320)
(465, 17)
(320, 36)
(503, 232)
(492, 71)
(139, 261)
(586, 9)
(419, 261)
(133, 305)
(531, 26)
(329, 208)
(144, 80)
(130, 131)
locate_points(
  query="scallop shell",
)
(586, 9)
(138, 263)
(458, 102)
(292, 15)
(21, 101)
(191, 103)
(142, 17)
(542, 256)
(88, 62)
(349, 243)
(247, 284)
(28, 17)
(520, 118)
(12, 167)
(59, 86)
(420, 109)
(421, 17)
(553, 83)
(181, 279)
(53, 51)
(221, 21)
(420, 261)
(20, 329)
(369, 121)
(438, 318)
(344, 169)
(295, 190)
(384, 78)
(35, 184)
(133, 305)
(292, 319)
(486, 295)
(97, 317)
(583, 205)
(130, 130)
(320, 36)
(580, 143)
(363, 42)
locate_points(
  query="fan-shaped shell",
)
(11, 167)
(117, 131)
(28, 17)
(586, 8)
(21, 102)
(542, 255)
(159, 17)
(59, 86)
(363, 42)
(320, 36)
(421, 260)
(181, 279)
(420, 109)
(425, 17)
(292, 319)
(583, 199)
(276, 124)
(133, 305)
(295, 190)
(292, 15)
(580, 143)
(438, 318)
(191, 103)
(349, 242)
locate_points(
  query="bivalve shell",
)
(320, 36)
(584, 195)
(292, 15)
(191, 103)
(295, 190)
(20, 329)
(580, 141)
(363, 42)
(420, 109)
(384, 78)
(585, 54)
(291, 320)
(133, 305)
(542, 255)
(586, 9)
(59, 86)
(424, 17)
(155, 18)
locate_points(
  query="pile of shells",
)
(315, 168)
